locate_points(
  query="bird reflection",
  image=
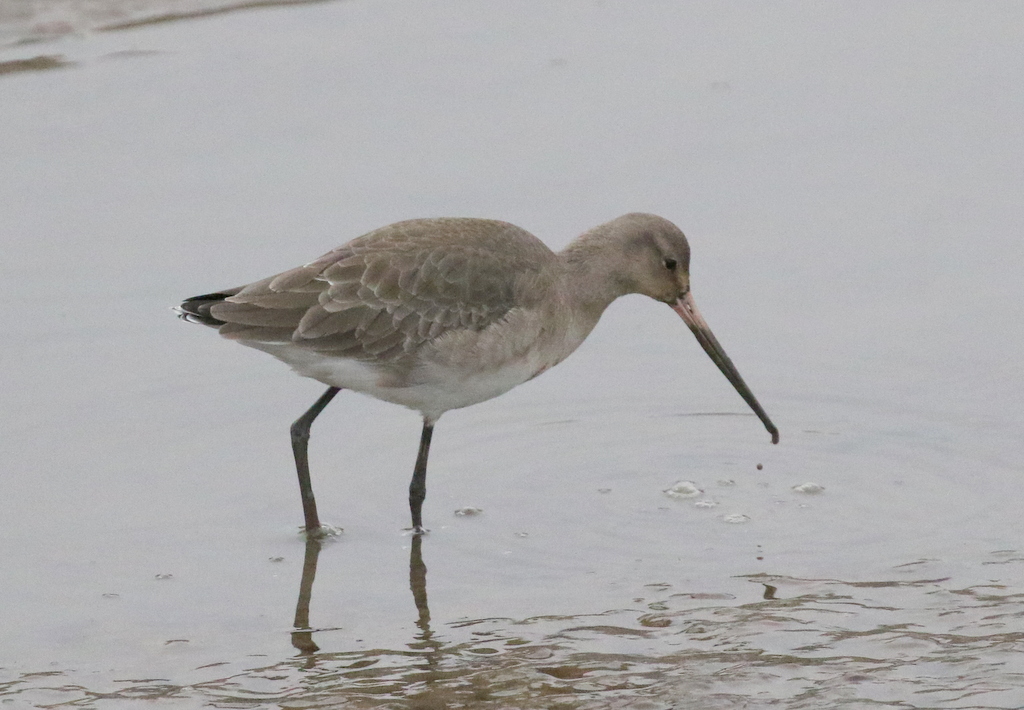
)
(418, 585)
(302, 635)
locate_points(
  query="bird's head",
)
(655, 262)
(654, 259)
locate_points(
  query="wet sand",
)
(848, 176)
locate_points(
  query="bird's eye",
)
(670, 264)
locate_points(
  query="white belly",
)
(458, 369)
(433, 389)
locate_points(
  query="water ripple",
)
(808, 644)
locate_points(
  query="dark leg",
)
(300, 440)
(418, 487)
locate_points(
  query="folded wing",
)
(386, 294)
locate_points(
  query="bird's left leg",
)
(300, 442)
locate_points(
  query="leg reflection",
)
(418, 585)
(430, 650)
(302, 636)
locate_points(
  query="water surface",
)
(848, 175)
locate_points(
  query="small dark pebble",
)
(759, 467)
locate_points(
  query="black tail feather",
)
(197, 308)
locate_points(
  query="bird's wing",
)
(386, 294)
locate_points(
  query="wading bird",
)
(439, 314)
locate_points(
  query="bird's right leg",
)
(418, 487)
(300, 441)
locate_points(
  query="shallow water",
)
(852, 200)
(773, 641)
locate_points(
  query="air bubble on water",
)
(683, 489)
(468, 511)
(522, 534)
(164, 576)
(604, 490)
(725, 482)
(735, 518)
(705, 503)
(809, 488)
(277, 559)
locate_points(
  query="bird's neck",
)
(589, 269)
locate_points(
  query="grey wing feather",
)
(386, 294)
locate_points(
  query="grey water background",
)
(849, 175)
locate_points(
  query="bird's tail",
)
(197, 308)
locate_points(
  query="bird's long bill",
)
(687, 309)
